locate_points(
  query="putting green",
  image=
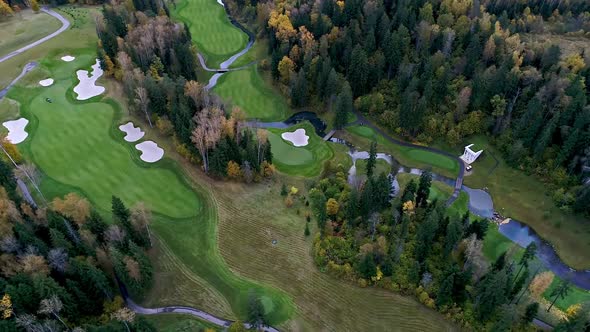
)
(248, 90)
(210, 28)
(305, 160)
(76, 145)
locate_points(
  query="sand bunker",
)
(46, 82)
(87, 87)
(133, 133)
(297, 137)
(150, 151)
(16, 130)
(68, 58)
(221, 3)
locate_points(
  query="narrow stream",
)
(480, 201)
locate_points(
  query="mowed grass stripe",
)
(210, 28)
(71, 143)
(250, 217)
(247, 89)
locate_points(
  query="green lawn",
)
(438, 190)
(179, 322)
(361, 137)
(525, 198)
(78, 147)
(24, 28)
(210, 28)
(81, 35)
(247, 89)
(300, 161)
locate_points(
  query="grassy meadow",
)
(361, 137)
(524, 198)
(81, 35)
(24, 28)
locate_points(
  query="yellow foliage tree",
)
(293, 191)
(408, 207)
(6, 306)
(110, 65)
(35, 6)
(12, 150)
(73, 206)
(233, 170)
(282, 25)
(332, 207)
(286, 68)
(574, 63)
(5, 9)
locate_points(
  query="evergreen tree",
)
(343, 108)
(372, 161)
(530, 312)
(358, 71)
(423, 188)
(490, 294)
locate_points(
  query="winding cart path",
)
(65, 25)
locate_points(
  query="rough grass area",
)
(77, 147)
(438, 190)
(301, 161)
(81, 35)
(24, 28)
(210, 28)
(526, 199)
(247, 89)
(495, 244)
(179, 322)
(575, 296)
(361, 137)
(251, 216)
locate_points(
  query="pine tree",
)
(561, 291)
(343, 107)
(358, 71)
(424, 188)
(372, 161)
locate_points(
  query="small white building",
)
(469, 155)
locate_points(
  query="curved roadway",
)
(65, 25)
(361, 119)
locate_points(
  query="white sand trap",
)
(68, 58)
(46, 82)
(133, 133)
(87, 87)
(297, 137)
(16, 130)
(150, 151)
(221, 3)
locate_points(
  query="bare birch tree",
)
(143, 100)
(52, 306)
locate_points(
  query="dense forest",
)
(58, 263)
(445, 70)
(418, 247)
(155, 61)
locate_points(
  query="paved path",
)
(361, 119)
(28, 67)
(65, 25)
(224, 323)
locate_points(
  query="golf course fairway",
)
(78, 147)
